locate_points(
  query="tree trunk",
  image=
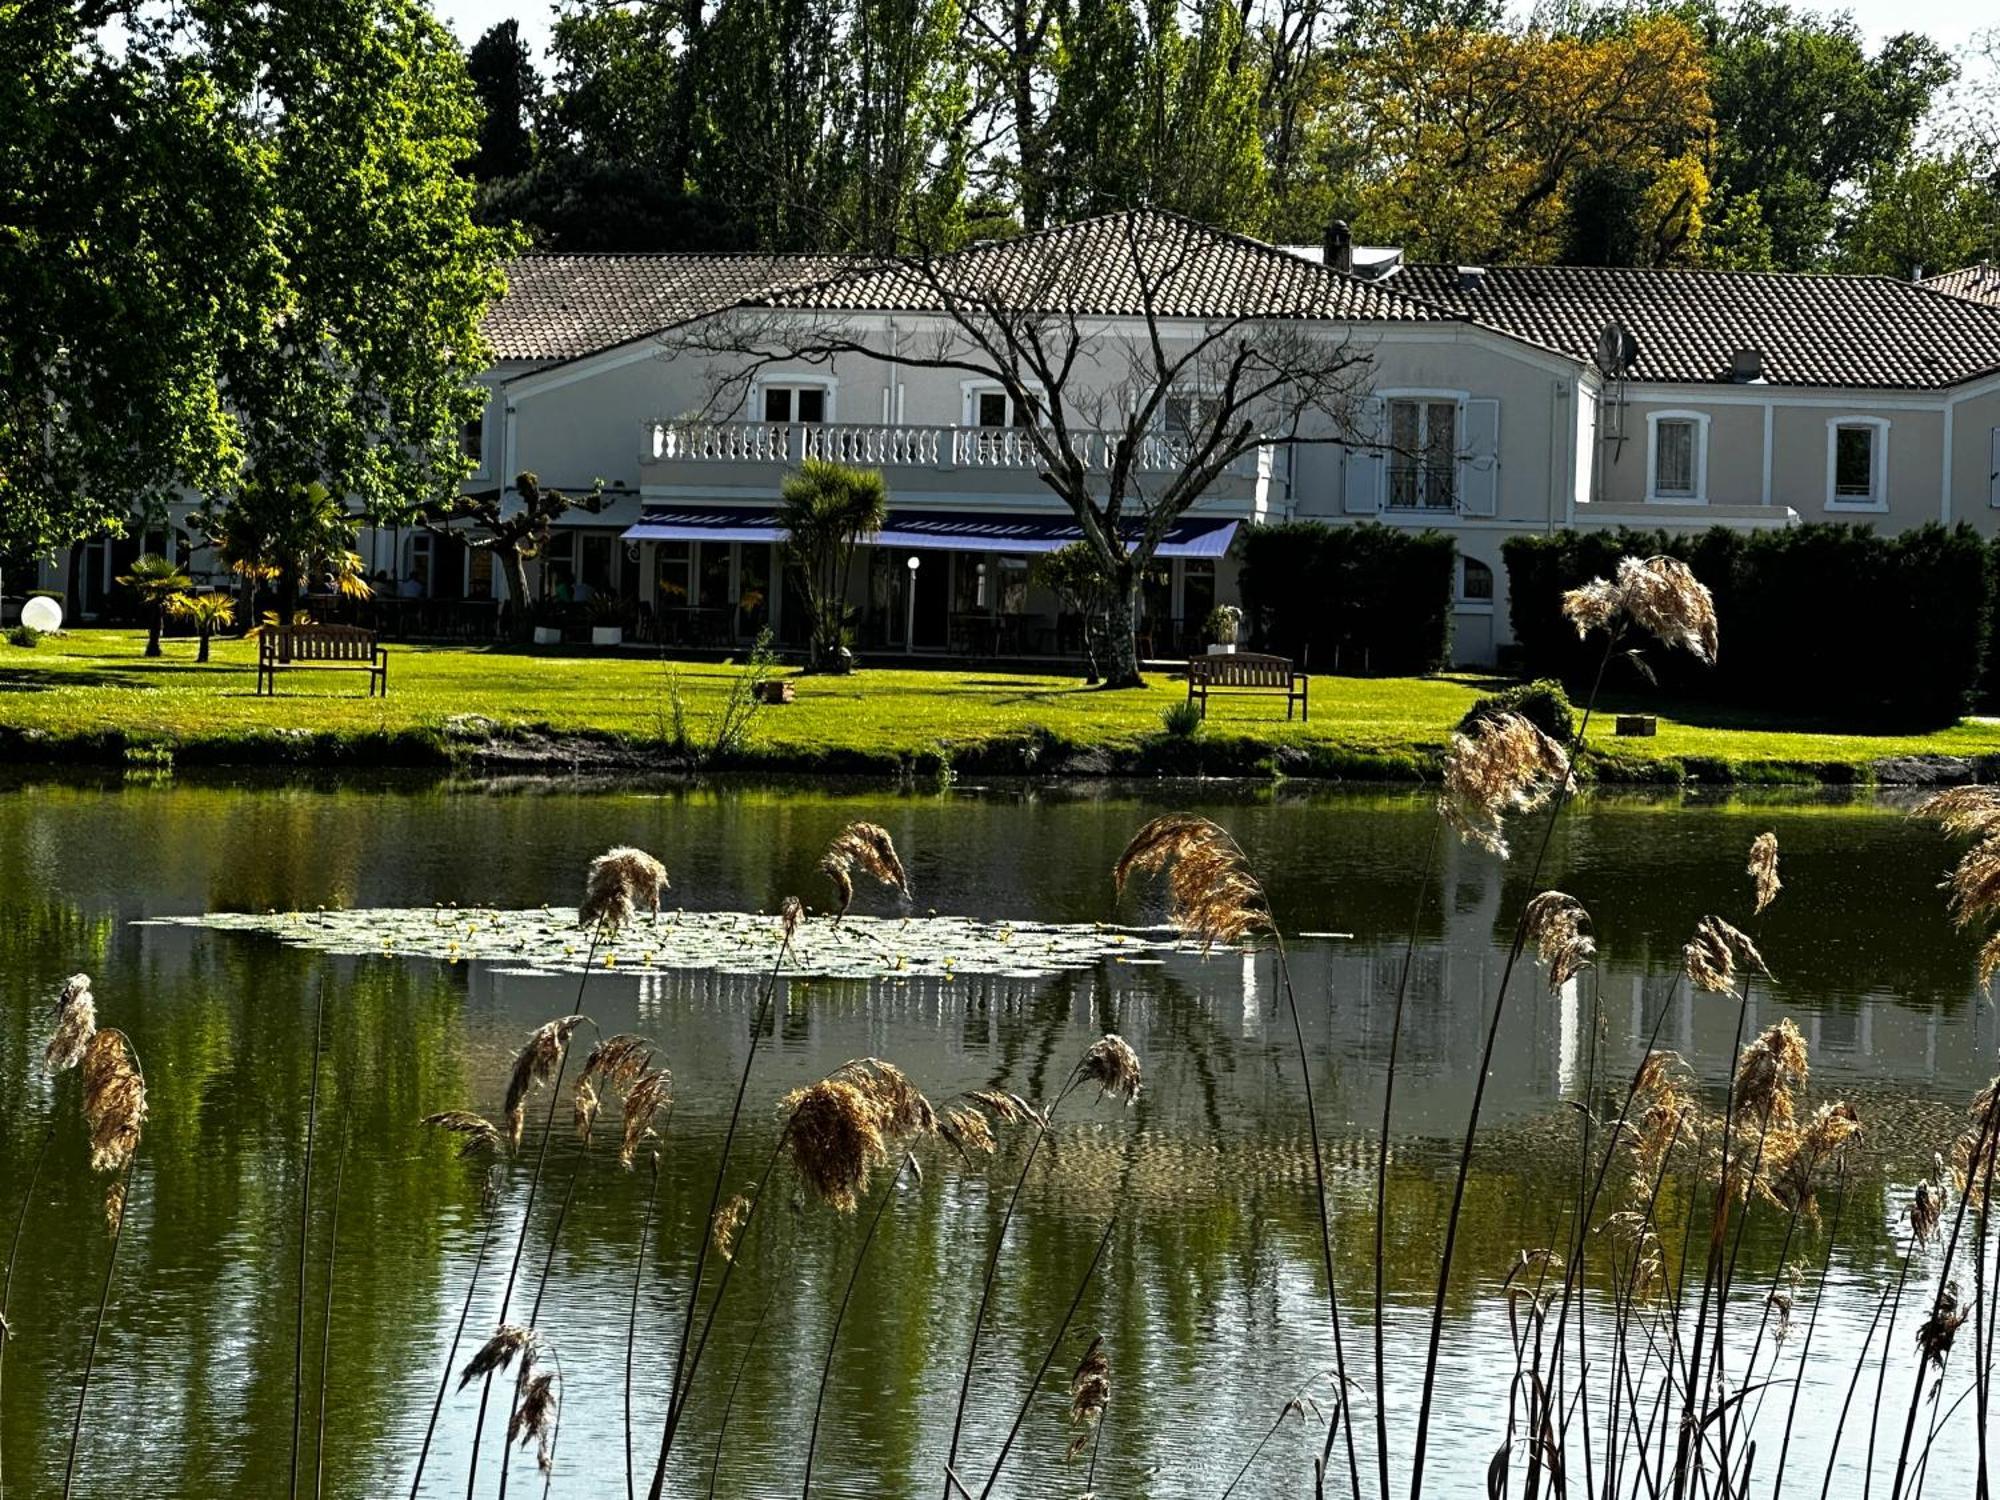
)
(153, 632)
(201, 651)
(1121, 646)
(73, 584)
(517, 586)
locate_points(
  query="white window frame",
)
(969, 392)
(1700, 420)
(1424, 396)
(1877, 500)
(786, 380)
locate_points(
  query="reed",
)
(326, 1315)
(632, 1316)
(481, 1137)
(735, 1385)
(305, 1234)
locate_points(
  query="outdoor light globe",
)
(912, 563)
(42, 613)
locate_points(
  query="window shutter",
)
(1993, 475)
(1481, 467)
(1362, 470)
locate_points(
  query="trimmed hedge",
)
(1827, 620)
(1543, 703)
(1357, 599)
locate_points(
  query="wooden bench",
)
(1247, 672)
(332, 648)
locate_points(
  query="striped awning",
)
(922, 530)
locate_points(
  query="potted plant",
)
(1224, 624)
(607, 622)
(547, 616)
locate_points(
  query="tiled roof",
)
(1103, 267)
(559, 307)
(1854, 331)
(1977, 283)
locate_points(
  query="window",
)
(805, 404)
(1856, 463)
(1475, 581)
(996, 409)
(1673, 463)
(1423, 455)
(594, 570)
(472, 440)
(673, 572)
(1184, 414)
(1678, 459)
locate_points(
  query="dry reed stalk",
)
(75, 1025)
(1974, 882)
(909, 1163)
(1214, 896)
(465, 1309)
(649, 1094)
(1555, 924)
(1113, 1066)
(727, 1223)
(1976, 1152)
(534, 1065)
(114, 1100)
(326, 1312)
(1062, 1331)
(1711, 955)
(684, 1370)
(632, 1317)
(1089, 1393)
(1763, 871)
(837, 1136)
(1825, 1136)
(868, 848)
(533, 1418)
(305, 1226)
(584, 1106)
(1505, 767)
(1771, 1073)
(497, 1353)
(618, 883)
(480, 1134)
(1658, 595)
(735, 1384)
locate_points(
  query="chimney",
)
(1471, 278)
(1338, 254)
(1746, 367)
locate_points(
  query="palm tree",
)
(157, 581)
(208, 613)
(827, 510)
(285, 534)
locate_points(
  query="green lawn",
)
(97, 686)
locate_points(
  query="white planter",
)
(1222, 648)
(607, 635)
(548, 635)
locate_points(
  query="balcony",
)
(947, 462)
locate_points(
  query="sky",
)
(1949, 22)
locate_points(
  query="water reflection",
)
(1210, 1303)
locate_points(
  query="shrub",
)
(1823, 620)
(25, 635)
(1182, 721)
(1543, 703)
(1367, 598)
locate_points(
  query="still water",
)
(1211, 1299)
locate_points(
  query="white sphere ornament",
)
(42, 613)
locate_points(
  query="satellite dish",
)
(1617, 350)
(42, 613)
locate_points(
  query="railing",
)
(1421, 487)
(878, 446)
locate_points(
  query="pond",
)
(1210, 1298)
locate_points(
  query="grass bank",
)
(92, 695)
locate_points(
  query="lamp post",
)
(910, 614)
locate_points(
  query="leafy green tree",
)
(1804, 113)
(156, 582)
(1076, 576)
(912, 113)
(827, 511)
(208, 613)
(508, 90)
(1929, 213)
(133, 261)
(363, 380)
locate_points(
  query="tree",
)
(1075, 576)
(513, 534)
(208, 613)
(365, 377)
(1473, 139)
(1803, 114)
(507, 88)
(132, 261)
(1130, 417)
(286, 536)
(1929, 213)
(157, 582)
(828, 510)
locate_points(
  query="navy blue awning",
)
(921, 530)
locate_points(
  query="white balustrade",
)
(876, 445)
